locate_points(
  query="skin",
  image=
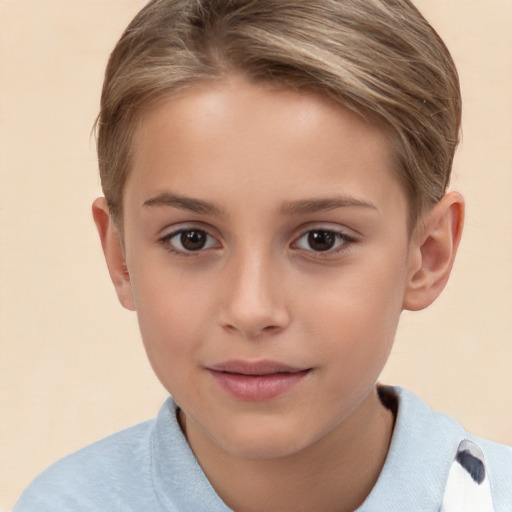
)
(258, 170)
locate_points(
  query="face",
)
(267, 248)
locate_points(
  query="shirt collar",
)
(178, 479)
(422, 449)
(414, 476)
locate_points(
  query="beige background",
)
(72, 368)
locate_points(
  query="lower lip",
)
(258, 388)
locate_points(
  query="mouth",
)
(257, 381)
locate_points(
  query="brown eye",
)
(323, 240)
(185, 241)
(193, 240)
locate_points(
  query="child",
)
(275, 178)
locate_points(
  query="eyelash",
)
(342, 242)
(166, 241)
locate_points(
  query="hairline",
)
(415, 210)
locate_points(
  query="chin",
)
(263, 449)
(263, 441)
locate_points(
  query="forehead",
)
(239, 137)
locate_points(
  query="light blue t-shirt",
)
(433, 465)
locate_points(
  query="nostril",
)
(271, 328)
(268, 329)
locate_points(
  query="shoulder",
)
(149, 467)
(92, 477)
(454, 462)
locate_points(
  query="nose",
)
(253, 298)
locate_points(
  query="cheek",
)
(168, 299)
(173, 318)
(357, 313)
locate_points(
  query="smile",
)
(256, 381)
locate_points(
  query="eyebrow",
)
(302, 206)
(325, 204)
(184, 203)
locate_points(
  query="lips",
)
(256, 381)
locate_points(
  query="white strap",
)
(468, 488)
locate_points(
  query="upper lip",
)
(261, 367)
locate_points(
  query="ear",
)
(114, 254)
(433, 246)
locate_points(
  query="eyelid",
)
(327, 226)
(167, 236)
(348, 239)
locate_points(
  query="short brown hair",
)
(380, 58)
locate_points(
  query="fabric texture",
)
(433, 465)
(468, 488)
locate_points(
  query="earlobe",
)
(113, 251)
(433, 248)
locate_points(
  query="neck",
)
(335, 474)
